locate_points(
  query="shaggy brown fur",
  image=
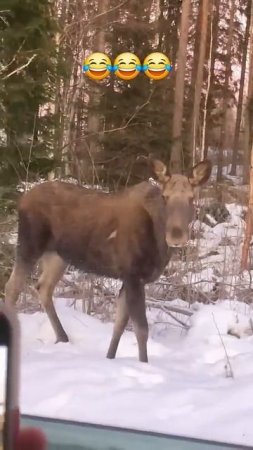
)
(127, 236)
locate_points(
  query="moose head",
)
(178, 192)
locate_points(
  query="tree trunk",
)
(203, 148)
(176, 157)
(62, 8)
(248, 131)
(249, 221)
(214, 31)
(241, 91)
(197, 39)
(199, 76)
(64, 87)
(226, 93)
(196, 15)
(94, 101)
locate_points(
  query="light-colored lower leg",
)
(141, 333)
(53, 268)
(120, 324)
(16, 282)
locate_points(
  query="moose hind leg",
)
(122, 317)
(16, 282)
(53, 268)
(135, 298)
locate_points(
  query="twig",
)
(138, 109)
(20, 68)
(123, 127)
(6, 222)
(89, 21)
(4, 20)
(177, 285)
(176, 319)
(168, 308)
(228, 365)
(164, 322)
(13, 59)
(30, 153)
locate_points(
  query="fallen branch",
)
(187, 327)
(168, 308)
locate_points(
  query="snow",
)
(199, 380)
(187, 388)
(219, 254)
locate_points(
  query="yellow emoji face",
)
(157, 66)
(97, 66)
(127, 66)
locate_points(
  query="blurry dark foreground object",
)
(31, 439)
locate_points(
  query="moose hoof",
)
(143, 358)
(110, 356)
(63, 338)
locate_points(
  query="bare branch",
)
(161, 304)
(14, 57)
(123, 127)
(187, 327)
(88, 22)
(133, 115)
(20, 68)
(4, 20)
(30, 152)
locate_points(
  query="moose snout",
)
(177, 236)
(176, 233)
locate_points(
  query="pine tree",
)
(137, 113)
(27, 88)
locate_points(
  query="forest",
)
(57, 123)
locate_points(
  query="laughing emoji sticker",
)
(157, 66)
(97, 66)
(127, 66)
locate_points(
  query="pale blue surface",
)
(66, 435)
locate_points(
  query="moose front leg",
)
(122, 316)
(135, 299)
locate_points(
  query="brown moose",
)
(127, 235)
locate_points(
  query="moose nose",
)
(176, 233)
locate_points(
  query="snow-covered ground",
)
(198, 382)
(186, 388)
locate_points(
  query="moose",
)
(128, 235)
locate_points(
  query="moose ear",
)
(200, 173)
(160, 170)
